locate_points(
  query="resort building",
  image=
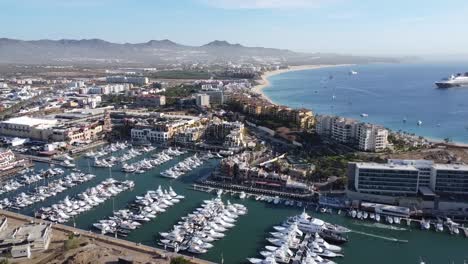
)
(450, 179)
(372, 138)
(384, 179)
(259, 107)
(161, 128)
(408, 178)
(363, 136)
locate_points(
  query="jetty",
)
(233, 188)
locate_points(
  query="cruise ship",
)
(454, 81)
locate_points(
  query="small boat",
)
(419, 123)
(67, 164)
(364, 115)
(352, 72)
(242, 195)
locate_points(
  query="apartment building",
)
(203, 100)
(364, 136)
(161, 129)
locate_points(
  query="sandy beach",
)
(263, 82)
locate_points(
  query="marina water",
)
(387, 93)
(247, 238)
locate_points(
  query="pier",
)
(204, 185)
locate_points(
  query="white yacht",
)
(310, 224)
(456, 80)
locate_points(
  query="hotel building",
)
(408, 178)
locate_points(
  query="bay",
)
(388, 93)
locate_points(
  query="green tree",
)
(180, 260)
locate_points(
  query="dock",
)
(203, 186)
(104, 239)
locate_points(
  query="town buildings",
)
(137, 80)
(74, 126)
(228, 134)
(260, 108)
(243, 168)
(105, 89)
(150, 100)
(160, 128)
(216, 97)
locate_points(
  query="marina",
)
(362, 232)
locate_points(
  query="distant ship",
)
(454, 81)
(351, 72)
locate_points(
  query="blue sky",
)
(376, 27)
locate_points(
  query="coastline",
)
(264, 82)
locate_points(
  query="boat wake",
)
(382, 226)
(358, 90)
(381, 237)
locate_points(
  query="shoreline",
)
(264, 82)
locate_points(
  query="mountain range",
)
(156, 52)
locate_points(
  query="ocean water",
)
(388, 93)
(249, 235)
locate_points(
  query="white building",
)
(384, 179)
(203, 100)
(450, 179)
(105, 89)
(148, 134)
(28, 127)
(408, 177)
(127, 79)
(372, 138)
(76, 85)
(366, 137)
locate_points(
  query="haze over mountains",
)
(153, 52)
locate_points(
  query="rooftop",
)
(458, 167)
(384, 166)
(30, 121)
